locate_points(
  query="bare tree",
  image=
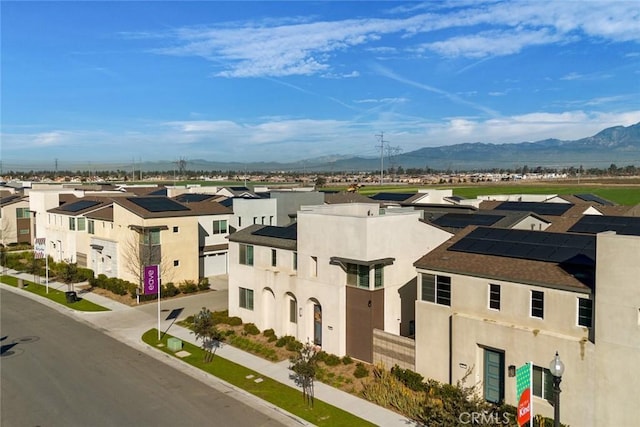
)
(138, 254)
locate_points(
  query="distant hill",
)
(619, 145)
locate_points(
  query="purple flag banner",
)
(151, 279)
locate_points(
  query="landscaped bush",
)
(251, 329)
(411, 379)
(234, 321)
(115, 285)
(347, 360)
(332, 360)
(84, 274)
(361, 371)
(220, 317)
(203, 284)
(294, 345)
(269, 332)
(284, 340)
(169, 290)
(247, 344)
(188, 287)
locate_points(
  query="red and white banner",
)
(40, 248)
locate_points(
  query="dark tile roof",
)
(164, 207)
(249, 236)
(346, 197)
(103, 214)
(540, 208)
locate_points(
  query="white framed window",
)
(537, 304)
(176, 262)
(220, 226)
(494, 296)
(585, 312)
(293, 311)
(542, 383)
(274, 258)
(246, 254)
(295, 261)
(314, 266)
(436, 288)
(246, 298)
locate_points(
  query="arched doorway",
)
(268, 309)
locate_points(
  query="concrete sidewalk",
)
(127, 324)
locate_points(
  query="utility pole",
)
(381, 136)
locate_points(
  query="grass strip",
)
(54, 295)
(281, 395)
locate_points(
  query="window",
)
(436, 289)
(246, 298)
(220, 227)
(23, 231)
(176, 229)
(23, 213)
(150, 237)
(314, 266)
(378, 276)
(176, 262)
(91, 226)
(585, 312)
(262, 222)
(246, 254)
(293, 311)
(72, 223)
(295, 260)
(494, 296)
(274, 259)
(358, 275)
(542, 383)
(81, 224)
(271, 220)
(239, 222)
(255, 219)
(537, 304)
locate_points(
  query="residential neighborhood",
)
(451, 288)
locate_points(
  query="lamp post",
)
(557, 369)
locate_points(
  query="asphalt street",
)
(56, 371)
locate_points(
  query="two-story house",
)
(334, 276)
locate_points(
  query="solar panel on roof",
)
(78, 206)
(193, 197)
(540, 208)
(392, 197)
(593, 224)
(290, 232)
(158, 204)
(159, 192)
(593, 198)
(524, 244)
(456, 220)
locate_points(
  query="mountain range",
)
(617, 145)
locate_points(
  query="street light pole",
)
(557, 369)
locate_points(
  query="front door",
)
(317, 324)
(493, 376)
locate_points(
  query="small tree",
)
(304, 364)
(205, 329)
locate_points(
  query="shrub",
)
(188, 287)
(84, 274)
(234, 321)
(220, 317)
(282, 341)
(412, 380)
(272, 338)
(294, 345)
(361, 371)
(229, 332)
(251, 329)
(332, 360)
(269, 333)
(347, 360)
(203, 284)
(170, 290)
(322, 355)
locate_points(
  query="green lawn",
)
(283, 396)
(54, 295)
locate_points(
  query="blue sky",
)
(243, 81)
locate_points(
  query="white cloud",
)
(301, 47)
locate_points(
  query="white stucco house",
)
(333, 277)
